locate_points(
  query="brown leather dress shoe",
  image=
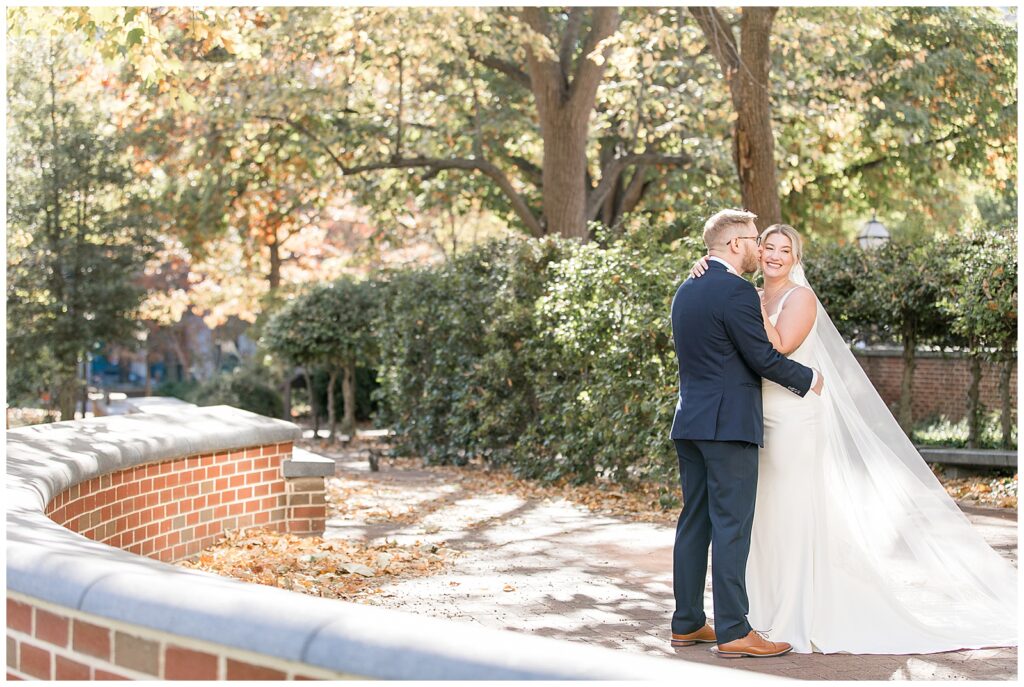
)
(752, 645)
(704, 634)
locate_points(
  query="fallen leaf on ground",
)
(336, 568)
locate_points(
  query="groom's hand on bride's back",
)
(821, 382)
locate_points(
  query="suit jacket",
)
(723, 353)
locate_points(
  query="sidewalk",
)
(554, 569)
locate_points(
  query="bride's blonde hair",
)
(791, 233)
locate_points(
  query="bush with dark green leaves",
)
(329, 328)
(548, 355)
(455, 381)
(982, 305)
(605, 374)
(244, 387)
(556, 358)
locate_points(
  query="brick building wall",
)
(940, 383)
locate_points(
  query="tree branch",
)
(305, 132)
(611, 173)
(720, 38)
(438, 164)
(532, 171)
(572, 30)
(546, 79)
(401, 103)
(519, 204)
(864, 165)
(588, 72)
(504, 66)
(634, 190)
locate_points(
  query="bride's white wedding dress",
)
(856, 547)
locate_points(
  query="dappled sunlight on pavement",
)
(530, 560)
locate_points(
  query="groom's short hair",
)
(722, 226)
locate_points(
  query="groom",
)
(723, 353)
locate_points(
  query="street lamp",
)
(873, 235)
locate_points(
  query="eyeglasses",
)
(756, 239)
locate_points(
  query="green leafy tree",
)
(330, 327)
(982, 303)
(78, 232)
(900, 294)
(903, 109)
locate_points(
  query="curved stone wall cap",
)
(366, 642)
(52, 563)
(356, 639)
(57, 456)
(152, 404)
(305, 463)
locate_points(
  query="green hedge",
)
(547, 355)
(244, 387)
(556, 358)
(454, 375)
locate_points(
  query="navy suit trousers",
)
(719, 482)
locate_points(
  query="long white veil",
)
(891, 522)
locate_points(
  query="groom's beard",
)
(751, 261)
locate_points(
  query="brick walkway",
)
(554, 569)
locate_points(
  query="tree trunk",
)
(312, 401)
(67, 393)
(1005, 398)
(565, 86)
(331, 414)
(85, 385)
(974, 409)
(348, 398)
(906, 407)
(565, 171)
(179, 339)
(275, 263)
(746, 65)
(147, 389)
(286, 394)
(753, 140)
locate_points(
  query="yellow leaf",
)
(104, 15)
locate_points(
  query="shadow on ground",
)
(554, 569)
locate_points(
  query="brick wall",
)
(306, 498)
(169, 511)
(49, 642)
(172, 510)
(940, 384)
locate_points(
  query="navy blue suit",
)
(723, 352)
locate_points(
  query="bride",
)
(856, 547)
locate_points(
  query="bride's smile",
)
(777, 256)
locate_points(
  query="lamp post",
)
(873, 235)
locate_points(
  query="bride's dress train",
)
(856, 547)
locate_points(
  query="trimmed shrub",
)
(244, 387)
(454, 379)
(550, 356)
(605, 373)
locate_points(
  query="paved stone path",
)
(555, 569)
